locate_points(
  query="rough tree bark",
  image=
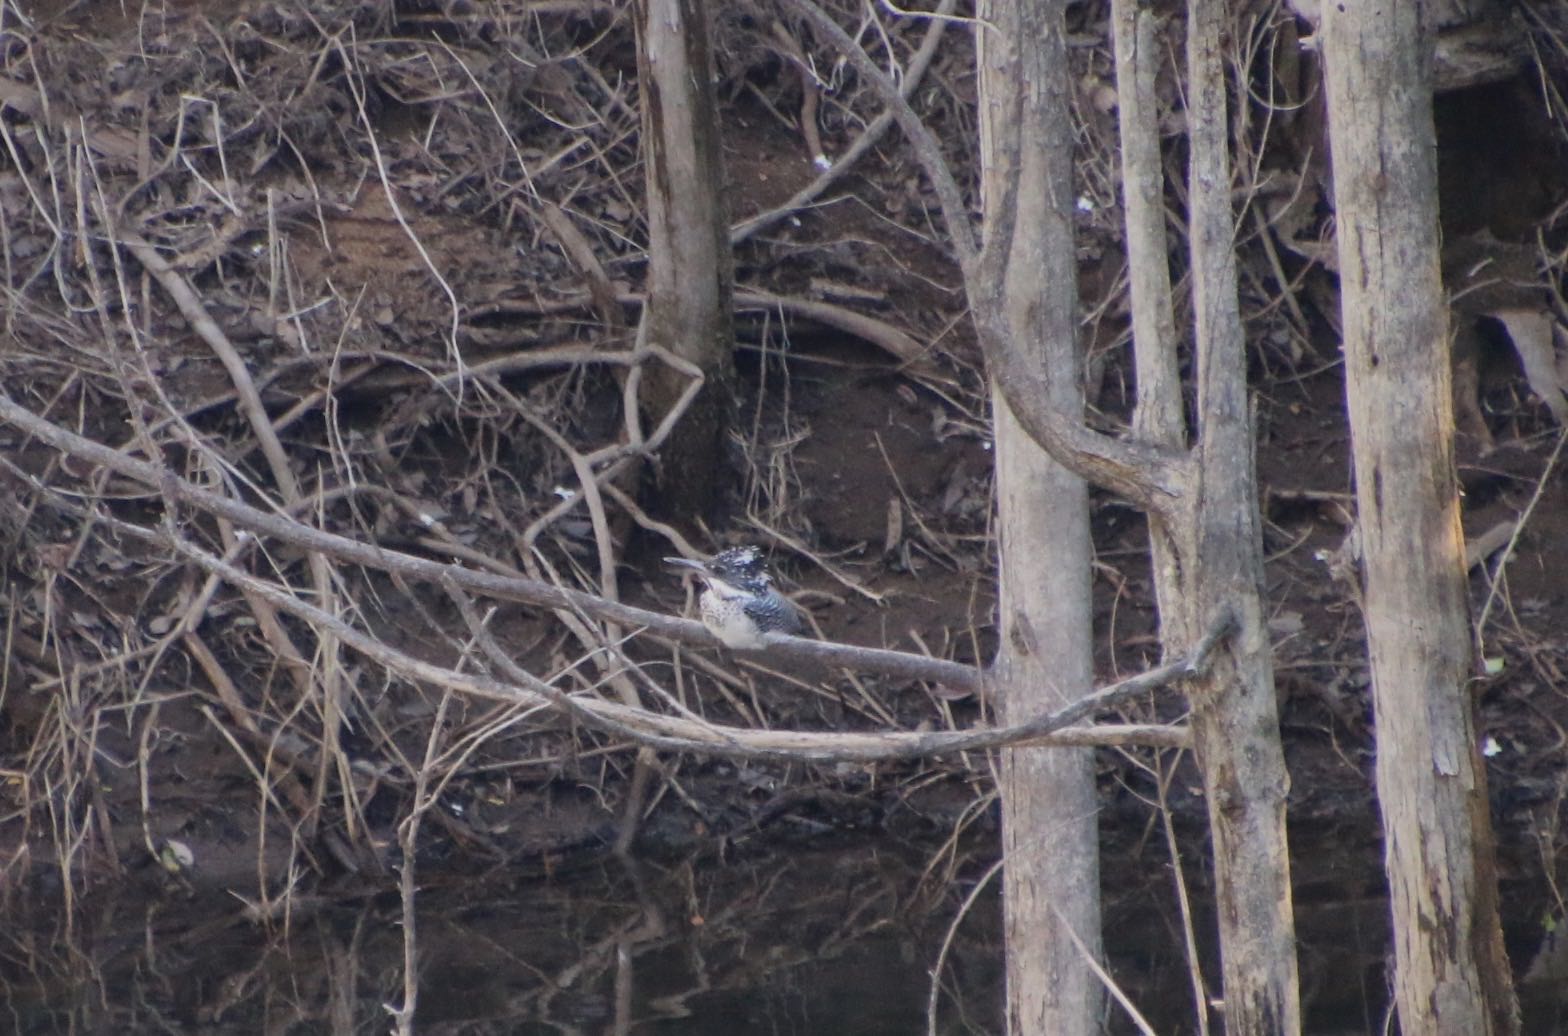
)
(1451, 972)
(1219, 548)
(1050, 829)
(1206, 495)
(689, 281)
(1158, 415)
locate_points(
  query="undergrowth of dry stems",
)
(352, 264)
(377, 268)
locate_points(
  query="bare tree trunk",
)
(1451, 973)
(1158, 416)
(1050, 830)
(1206, 496)
(1235, 713)
(689, 280)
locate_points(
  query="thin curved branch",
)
(913, 74)
(927, 149)
(897, 664)
(1152, 477)
(681, 733)
(689, 734)
(911, 353)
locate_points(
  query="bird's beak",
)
(686, 563)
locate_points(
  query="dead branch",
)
(863, 143)
(645, 728)
(907, 350)
(1154, 478)
(688, 734)
(896, 664)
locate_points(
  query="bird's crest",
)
(738, 563)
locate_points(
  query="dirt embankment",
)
(270, 247)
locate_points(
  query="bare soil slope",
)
(365, 203)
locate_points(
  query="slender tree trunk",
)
(1451, 973)
(1050, 830)
(1235, 713)
(689, 282)
(1207, 497)
(1158, 416)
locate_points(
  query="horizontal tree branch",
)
(898, 664)
(691, 734)
(639, 725)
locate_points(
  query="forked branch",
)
(640, 725)
(1152, 477)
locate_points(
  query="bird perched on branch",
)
(739, 603)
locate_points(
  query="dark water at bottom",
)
(838, 940)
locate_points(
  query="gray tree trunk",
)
(689, 282)
(1235, 714)
(1451, 973)
(1050, 829)
(1158, 416)
(1206, 496)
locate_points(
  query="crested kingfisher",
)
(739, 604)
